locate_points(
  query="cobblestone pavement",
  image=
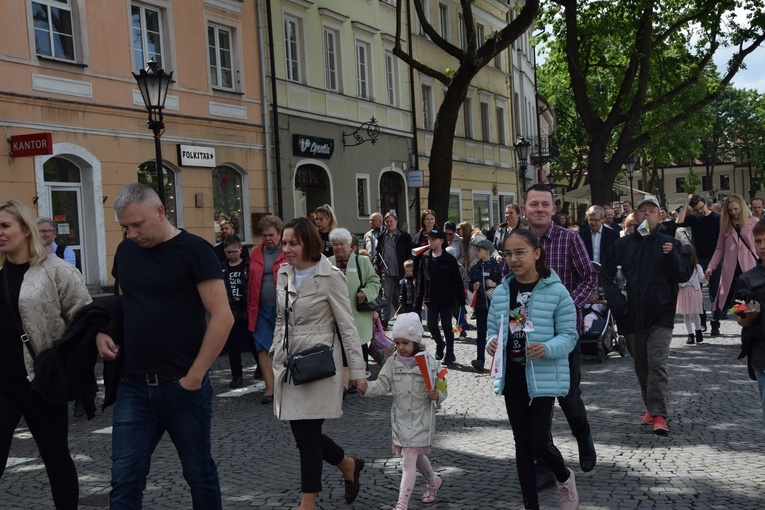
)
(714, 456)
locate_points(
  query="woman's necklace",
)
(270, 251)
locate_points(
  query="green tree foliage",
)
(639, 75)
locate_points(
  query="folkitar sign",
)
(36, 144)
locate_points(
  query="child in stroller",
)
(600, 329)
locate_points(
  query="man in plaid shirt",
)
(566, 255)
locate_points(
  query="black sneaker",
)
(545, 478)
(236, 382)
(715, 331)
(450, 360)
(78, 409)
(691, 340)
(439, 354)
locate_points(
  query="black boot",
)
(691, 340)
(699, 336)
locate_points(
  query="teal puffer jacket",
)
(552, 312)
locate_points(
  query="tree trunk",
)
(440, 164)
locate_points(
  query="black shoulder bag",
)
(377, 303)
(738, 233)
(309, 365)
(22, 334)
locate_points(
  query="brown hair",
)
(533, 241)
(308, 236)
(270, 220)
(422, 219)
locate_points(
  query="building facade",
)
(343, 108)
(500, 106)
(69, 85)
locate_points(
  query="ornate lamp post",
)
(154, 82)
(522, 152)
(630, 163)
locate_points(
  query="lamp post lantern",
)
(630, 163)
(522, 152)
(154, 83)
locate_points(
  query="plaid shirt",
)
(566, 255)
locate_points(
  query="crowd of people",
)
(311, 290)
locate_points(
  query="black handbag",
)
(377, 303)
(309, 365)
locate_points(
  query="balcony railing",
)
(543, 149)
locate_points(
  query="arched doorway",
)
(392, 194)
(312, 188)
(63, 195)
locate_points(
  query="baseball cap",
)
(648, 200)
(437, 233)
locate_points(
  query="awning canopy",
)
(583, 196)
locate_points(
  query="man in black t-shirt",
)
(169, 279)
(705, 229)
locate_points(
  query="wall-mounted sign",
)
(194, 155)
(36, 144)
(312, 146)
(415, 179)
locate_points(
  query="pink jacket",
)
(730, 249)
(257, 269)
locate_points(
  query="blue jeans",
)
(141, 416)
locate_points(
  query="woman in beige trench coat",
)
(316, 296)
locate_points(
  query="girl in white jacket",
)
(413, 415)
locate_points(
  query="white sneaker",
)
(567, 493)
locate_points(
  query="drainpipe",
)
(415, 148)
(264, 102)
(275, 109)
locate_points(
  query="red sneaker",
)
(647, 419)
(660, 426)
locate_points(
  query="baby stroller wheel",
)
(621, 345)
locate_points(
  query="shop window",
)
(147, 174)
(227, 198)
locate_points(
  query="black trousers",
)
(572, 404)
(49, 427)
(531, 433)
(314, 448)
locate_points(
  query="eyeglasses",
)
(698, 209)
(449, 234)
(232, 252)
(517, 253)
(46, 231)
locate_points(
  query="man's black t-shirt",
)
(13, 373)
(704, 232)
(520, 295)
(164, 315)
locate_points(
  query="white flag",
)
(498, 361)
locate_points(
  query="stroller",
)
(602, 337)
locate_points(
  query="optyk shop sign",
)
(312, 146)
(36, 144)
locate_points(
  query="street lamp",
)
(522, 152)
(154, 82)
(630, 169)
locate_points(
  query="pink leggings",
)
(413, 461)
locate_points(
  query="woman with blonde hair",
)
(41, 294)
(735, 248)
(326, 222)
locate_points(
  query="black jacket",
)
(652, 280)
(70, 367)
(403, 250)
(752, 287)
(608, 237)
(446, 289)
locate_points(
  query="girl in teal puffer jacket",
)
(539, 331)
